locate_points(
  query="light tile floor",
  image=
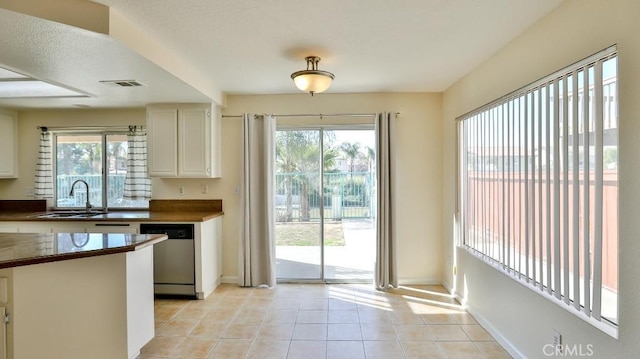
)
(319, 321)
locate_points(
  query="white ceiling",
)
(252, 47)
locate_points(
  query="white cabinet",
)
(8, 228)
(25, 227)
(111, 227)
(8, 145)
(99, 307)
(69, 227)
(162, 142)
(183, 140)
(92, 227)
(208, 248)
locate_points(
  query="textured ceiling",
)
(252, 47)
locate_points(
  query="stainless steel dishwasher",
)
(173, 259)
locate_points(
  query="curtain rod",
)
(89, 128)
(321, 115)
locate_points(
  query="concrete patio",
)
(352, 262)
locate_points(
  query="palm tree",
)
(116, 150)
(371, 157)
(288, 144)
(298, 157)
(352, 152)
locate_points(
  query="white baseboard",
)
(455, 294)
(496, 334)
(404, 281)
(229, 280)
(419, 281)
(447, 286)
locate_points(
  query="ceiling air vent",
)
(123, 83)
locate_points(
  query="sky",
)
(364, 137)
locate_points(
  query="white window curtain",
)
(257, 249)
(43, 186)
(137, 184)
(386, 274)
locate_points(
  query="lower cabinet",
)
(110, 227)
(69, 227)
(25, 227)
(3, 333)
(206, 252)
(207, 243)
(95, 307)
(8, 228)
(208, 256)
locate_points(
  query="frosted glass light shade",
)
(312, 80)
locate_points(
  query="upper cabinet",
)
(183, 140)
(8, 145)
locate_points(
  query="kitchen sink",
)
(69, 215)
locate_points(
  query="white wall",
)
(576, 29)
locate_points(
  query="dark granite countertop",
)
(159, 211)
(119, 216)
(20, 249)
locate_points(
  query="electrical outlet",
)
(181, 190)
(236, 189)
(557, 339)
(204, 189)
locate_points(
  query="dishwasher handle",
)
(173, 231)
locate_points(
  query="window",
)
(99, 159)
(538, 189)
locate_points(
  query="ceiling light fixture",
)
(312, 80)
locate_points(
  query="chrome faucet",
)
(87, 205)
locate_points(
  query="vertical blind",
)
(538, 186)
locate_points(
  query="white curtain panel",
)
(257, 249)
(43, 184)
(137, 184)
(386, 275)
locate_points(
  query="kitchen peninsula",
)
(76, 295)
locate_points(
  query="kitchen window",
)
(101, 159)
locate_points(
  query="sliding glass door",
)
(325, 204)
(298, 223)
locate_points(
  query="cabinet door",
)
(8, 228)
(105, 227)
(25, 227)
(68, 227)
(8, 146)
(194, 143)
(34, 227)
(162, 143)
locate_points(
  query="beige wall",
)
(29, 136)
(576, 29)
(416, 154)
